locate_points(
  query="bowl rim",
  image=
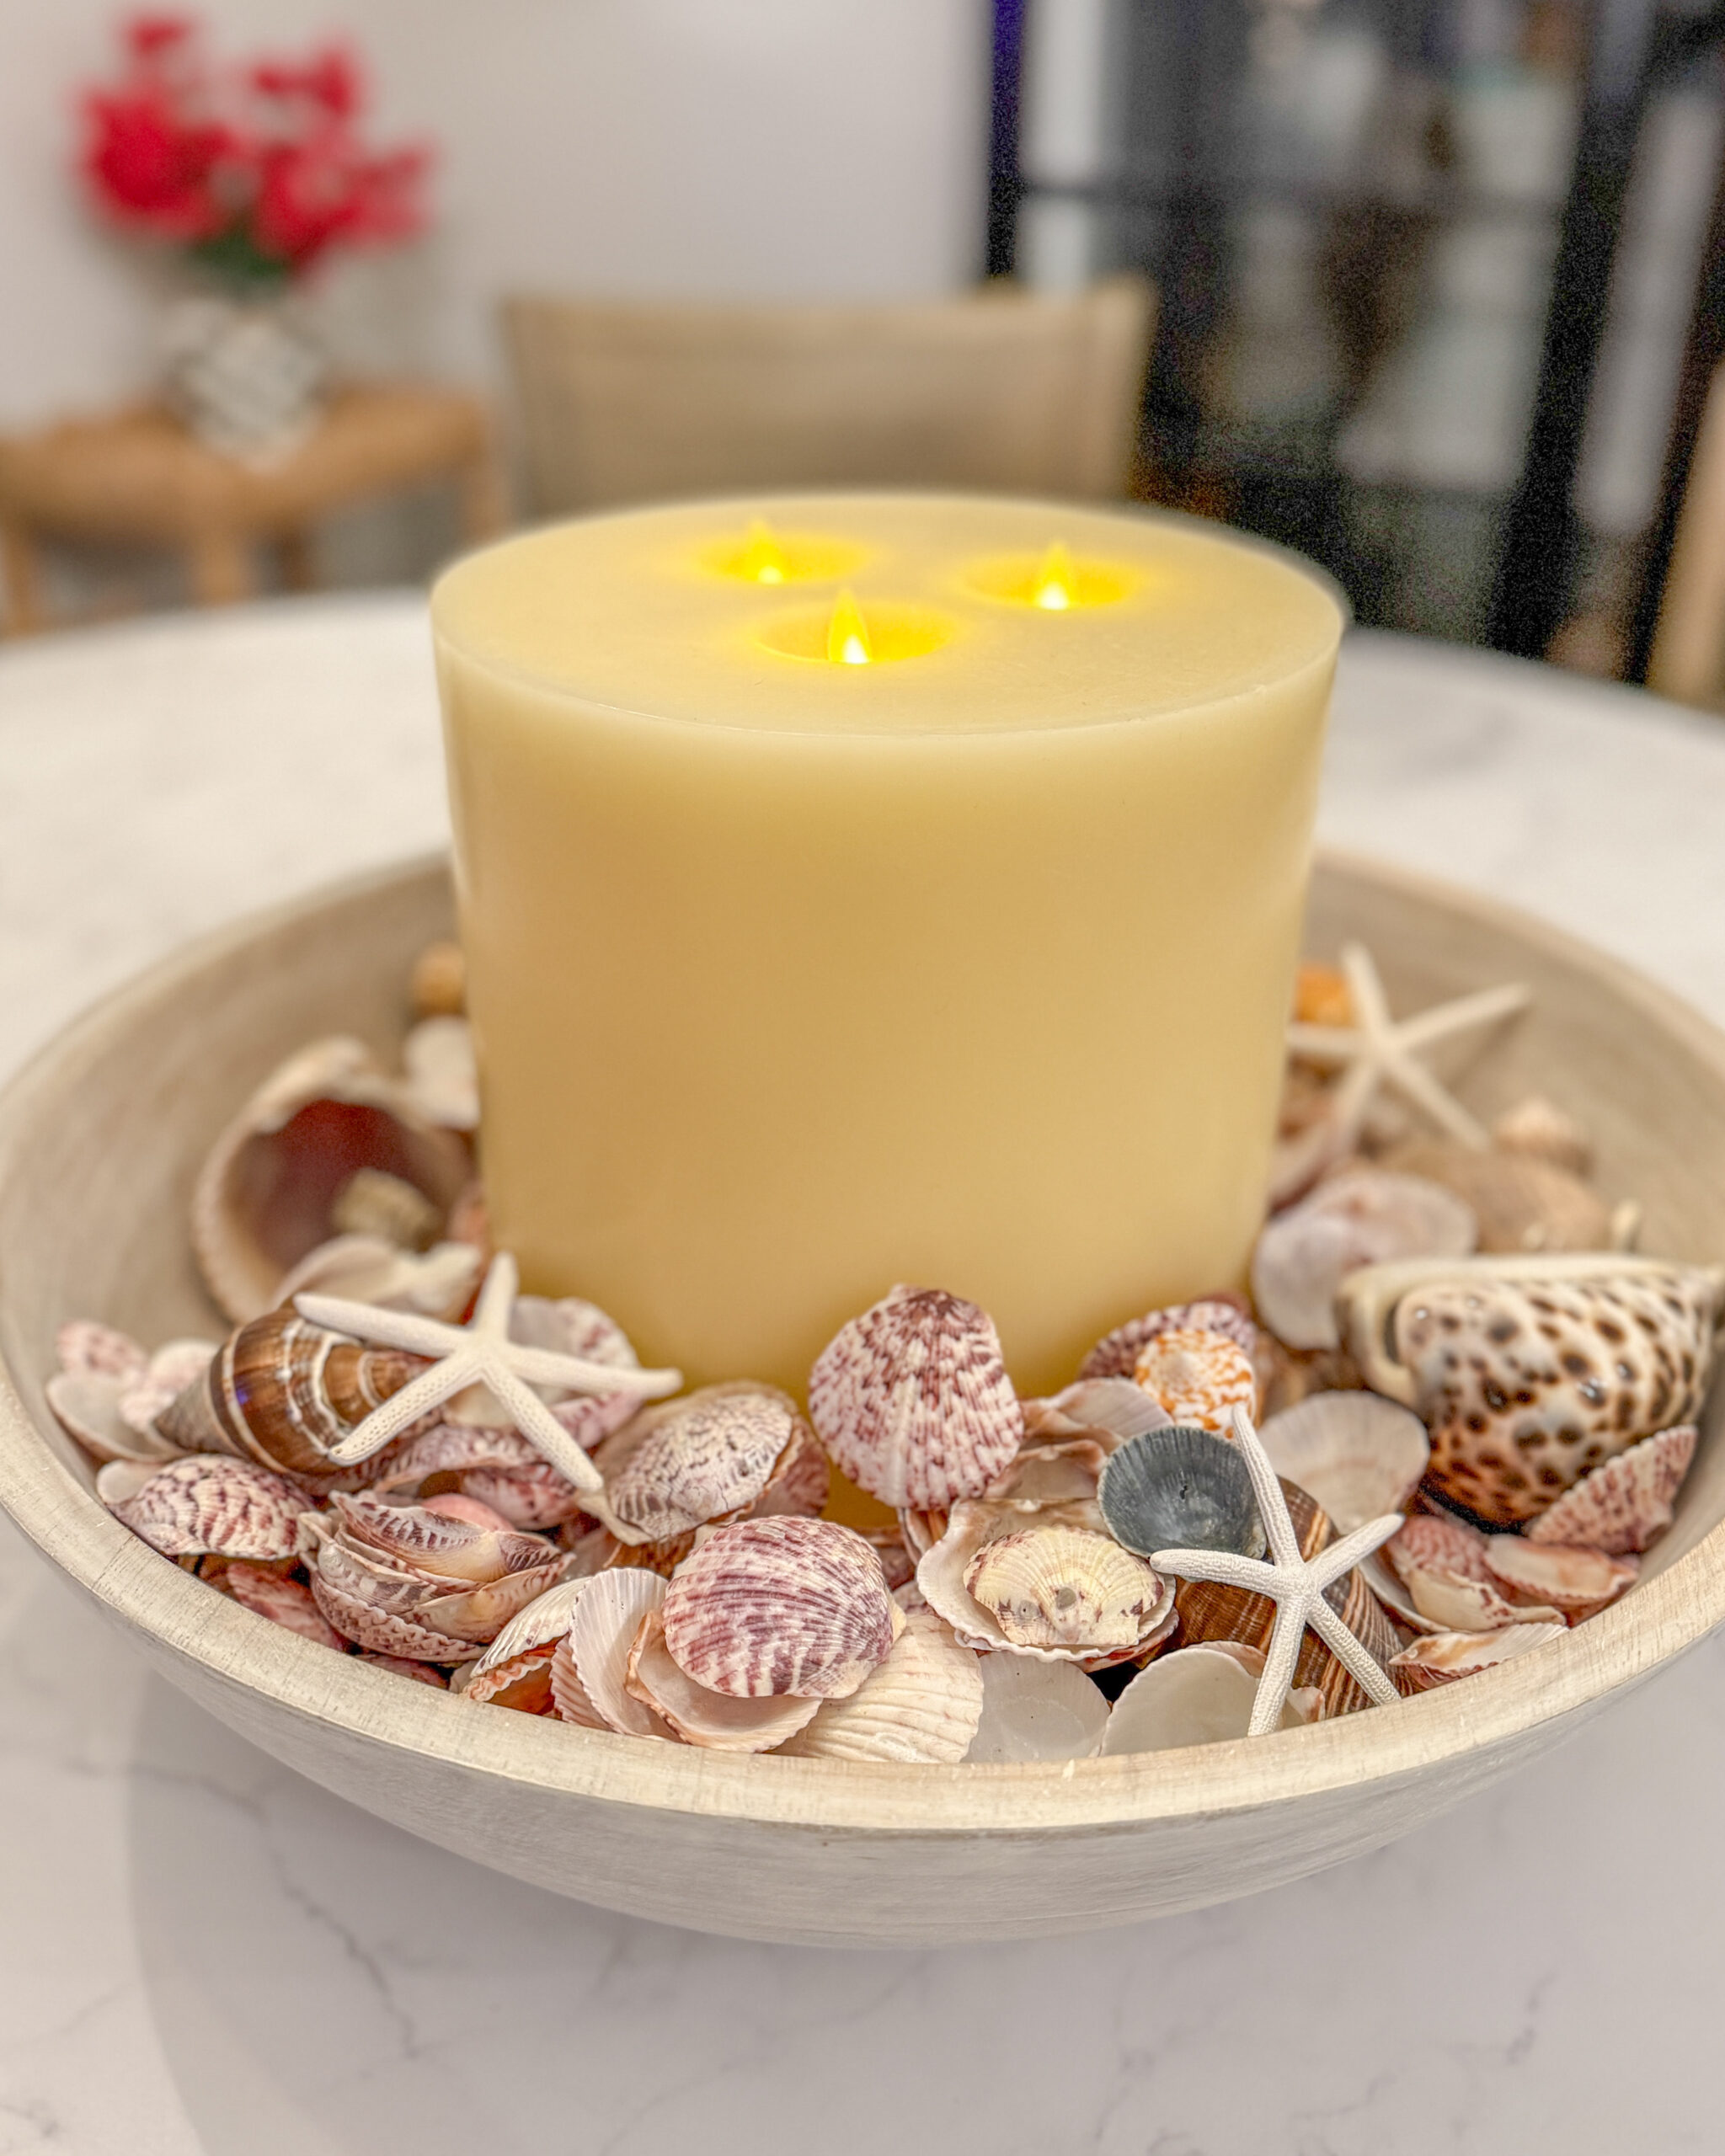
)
(1564, 1677)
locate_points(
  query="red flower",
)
(150, 168)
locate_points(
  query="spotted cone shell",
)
(1529, 1373)
(913, 1401)
(766, 1607)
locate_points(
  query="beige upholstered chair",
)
(1688, 658)
(1000, 389)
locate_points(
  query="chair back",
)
(1000, 389)
(1688, 657)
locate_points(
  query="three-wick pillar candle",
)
(872, 887)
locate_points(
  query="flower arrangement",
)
(256, 172)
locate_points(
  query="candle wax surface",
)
(792, 978)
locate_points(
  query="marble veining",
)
(201, 1955)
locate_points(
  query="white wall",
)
(741, 148)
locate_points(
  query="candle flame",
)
(848, 642)
(763, 558)
(1054, 581)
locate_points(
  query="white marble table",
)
(202, 1956)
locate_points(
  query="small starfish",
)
(482, 1352)
(1294, 1584)
(1380, 1050)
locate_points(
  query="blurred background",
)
(1432, 290)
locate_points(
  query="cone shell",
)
(264, 1196)
(1200, 1695)
(1626, 1505)
(766, 1607)
(1521, 1202)
(206, 1503)
(923, 1703)
(1359, 1216)
(1197, 1378)
(913, 1401)
(282, 1391)
(1359, 1454)
(1116, 1354)
(1446, 1655)
(1063, 1586)
(1530, 1372)
(1036, 1710)
(1575, 1583)
(1211, 1612)
(720, 1721)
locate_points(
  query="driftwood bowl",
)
(99, 1141)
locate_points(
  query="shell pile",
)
(1449, 1333)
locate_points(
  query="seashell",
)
(1322, 996)
(1539, 1130)
(438, 986)
(606, 1619)
(1520, 1203)
(263, 1199)
(1446, 1655)
(1196, 1695)
(1359, 1216)
(1576, 1583)
(898, 1564)
(1451, 1601)
(945, 1570)
(371, 1203)
(1387, 1585)
(1116, 1405)
(707, 1456)
(1530, 1371)
(437, 1283)
(569, 1326)
(913, 1401)
(1180, 1489)
(435, 1543)
(85, 1348)
(1435, 1542)
(719, 1722)
(1288, 1375)
(1211, 1613)
(923, 1703)
(442, 1074)
(1036, 1710)
(1063, 1586)
(150, 1393)
(87, 1407)
(545, 1621)
(522, 1681)
(207, 1502)
(283, 1599)
(398, 1665)
(1624, 1506)
(498, 1465)
(780, 1605)
(569, 1699)
(1116, 1354)
(1359, 1454)
(281, 1391)
(1197, 1378)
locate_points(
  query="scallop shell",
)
(975, 1523)
(1452, 1602)
(282, 1391)
(1063, 1586)
(1197, 1378)
(401, 1665)
(1530, 1371)
(1036, 1710)
(567, 1326)
(86, 1405)
(606, 1619)
(1359, 1216)
(721, 1721)
(1626, 1505)
(707, 1456)
(1210, 1612)
(923, 1703)
(545, 1621)
(1520, 1203)
(437, 1283)
(1434, 1541)
(913, 1401)
(1540, 1130)
(1358, 1454)
(522, 1681)
(437, 1543)
(1116, 1405)
(283, 1600)
(1575, 1583)
(785, 1604)
(207, 1502)
(570, 1699)
(1446, 1655)
(499, 1466)
(263, 1197)
(87, 1348)
(1180, 1489)
(1200, 1695)
(144, 1398)
(1116, 1354)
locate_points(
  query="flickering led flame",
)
(763, 558)
(848, 642)
(1054, 590)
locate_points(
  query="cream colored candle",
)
(859, 889)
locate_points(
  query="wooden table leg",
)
(20, 572)
(221, 568)
(299, 567)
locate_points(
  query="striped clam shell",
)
(206, 1504)
(788, 1605)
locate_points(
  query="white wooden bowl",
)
(99, 1141)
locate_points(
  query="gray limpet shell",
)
(1180, 1488)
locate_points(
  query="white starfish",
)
(482, 1352)
(1296, 1585)
(1378, 1050)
